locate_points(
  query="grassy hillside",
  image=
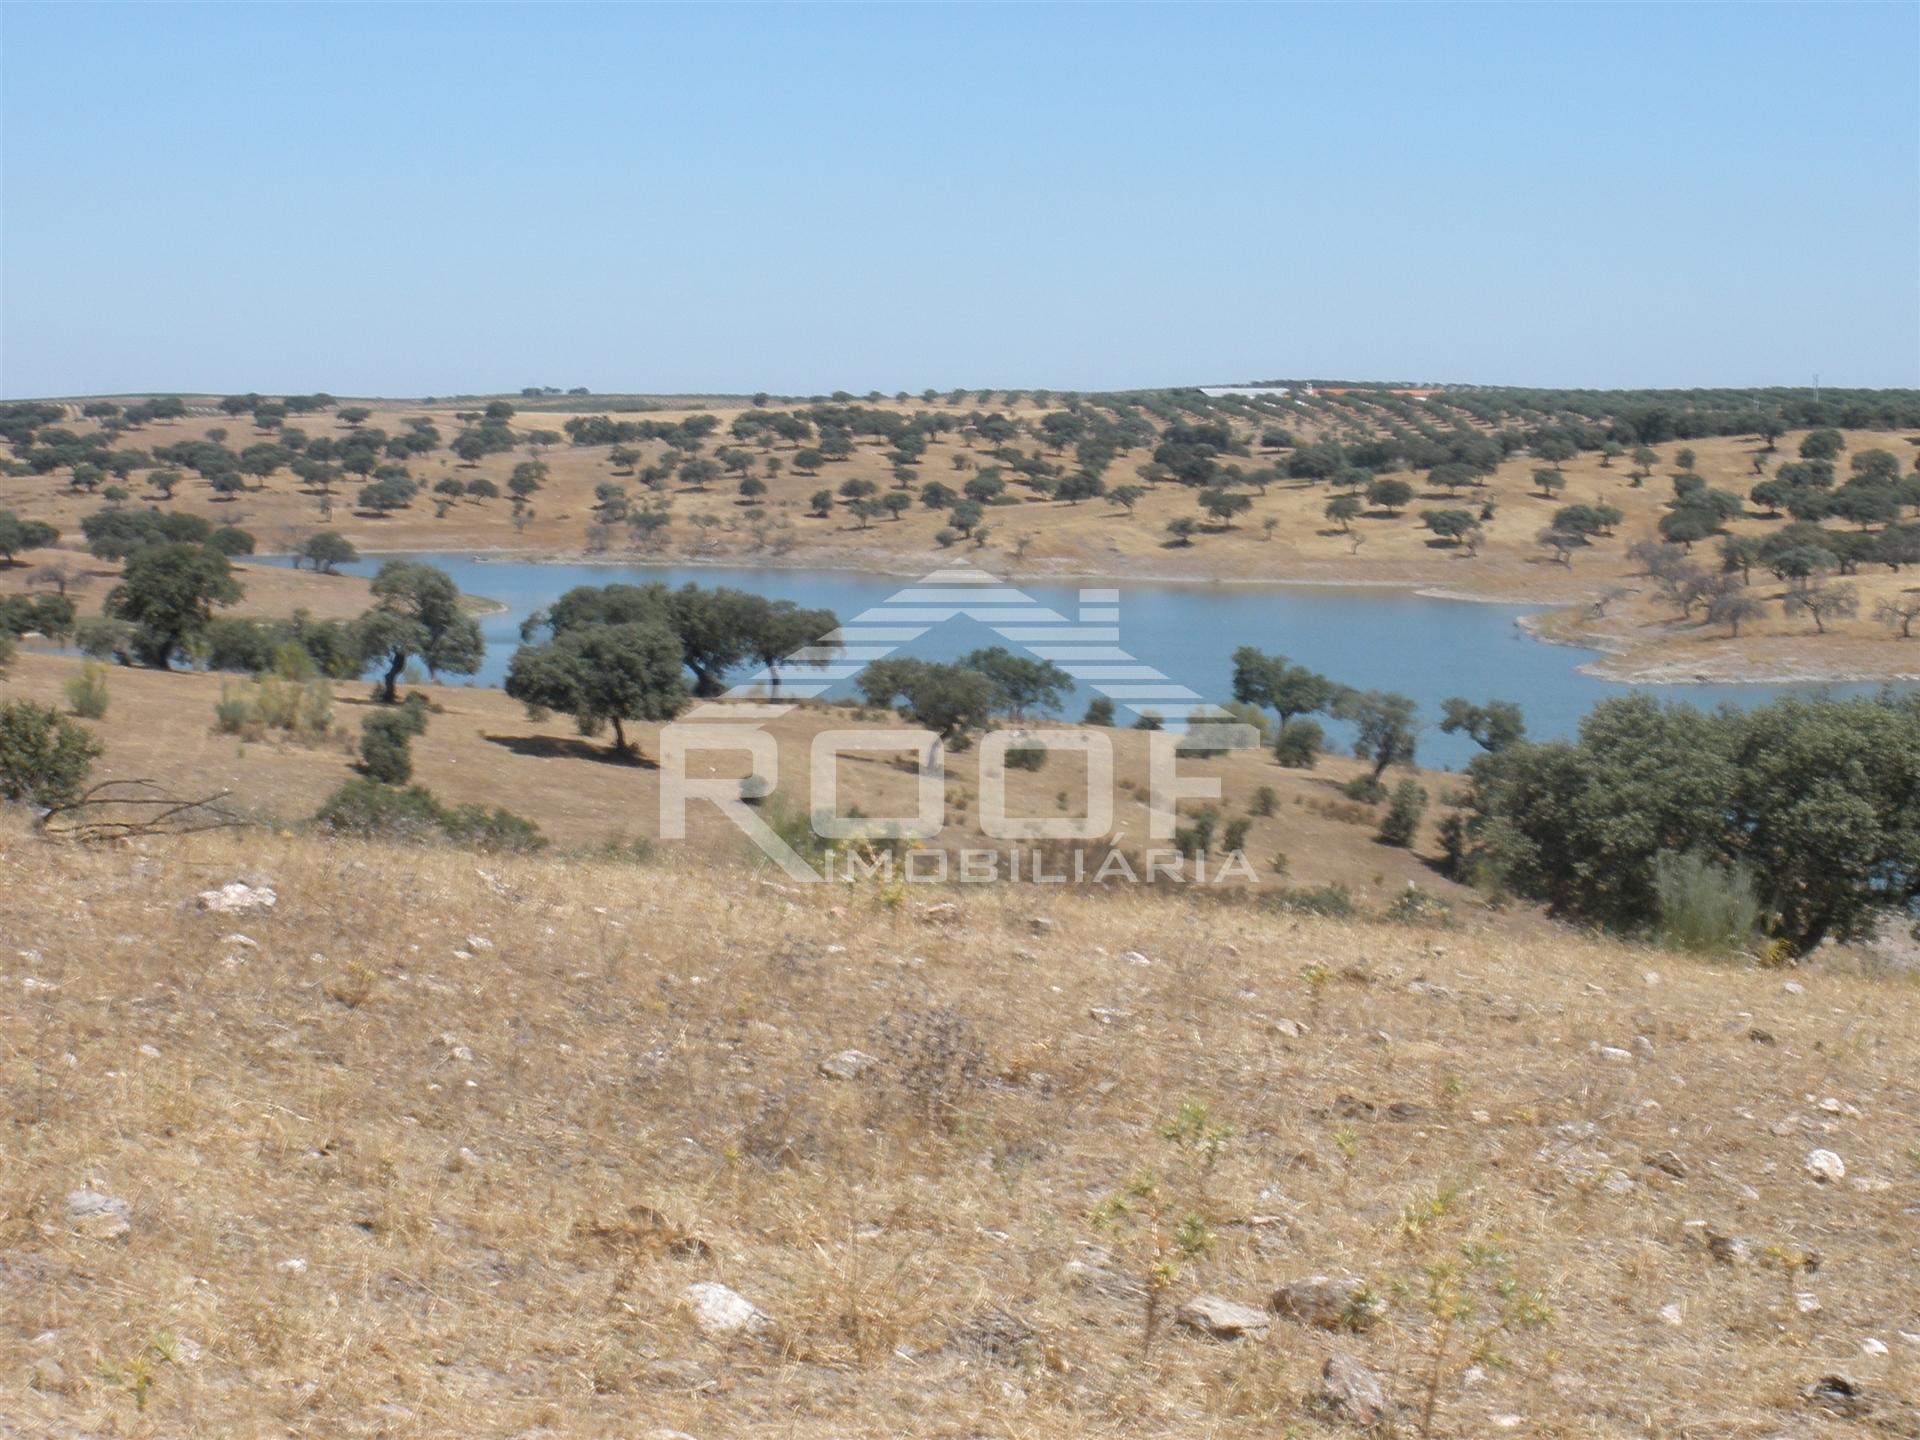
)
(1283, 534)
(438, 1144)
(481, 748)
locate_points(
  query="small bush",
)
(368, 810)
(1364, 788)
(1027, 757)
(87, 691)
(231, 712)
(385, 742)
(44, 756)
(1264, 801)
(1402, 822)
(99, 638)
(1703, 905)
(1299, 743)
(1413, 906)
(1236, 836)
(1334, 901)
(1099, 711)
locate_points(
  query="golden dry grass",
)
(504, 1111)
(1095, 537)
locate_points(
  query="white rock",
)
(1807, 1303)
(1824, 1165)
(238, 898)
(1794, 987)
(847, 1065)
(1134, 957)
(1672, 1315)
(1615, 1055)
(104, 1217)
(723, 1313)
(1221, 1318)
(1871, 1346)
(1352, 1391)
(294, 1266)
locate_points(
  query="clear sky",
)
(406, 200)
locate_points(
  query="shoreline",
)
(1608, 662)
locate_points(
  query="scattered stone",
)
(722, 1313)
(1840, 1395)
(1759, 1036)
(463, 1159)
(102, 1217)
(1134, 957)
(1672, 1314)
(847, 1064)
(1292, 1029)
(1871, 1346)
(944, 913)
(1794, 987)
(1807, 1303)
(294, 1266)
(47, 1373)
(1042, 925)
(1331, 1302)
(1351, 1391)
(238, 898)
(1668, 1163)
(1614, 1055)
(1221, 1318)
(1824, 1166)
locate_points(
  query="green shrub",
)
(385, 742)
(87, 691)
(1299, 743)
(367, 810)
(1334, 901)
(1099, 711)
(1414, 906)
(44, 757)
(1236, 836)
(1026, 757)
(1367, 789)
(1264, 802)
(1703, 905)
(232, 712)
(1402, 822)
(101, 638)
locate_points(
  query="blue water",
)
(1390, 639)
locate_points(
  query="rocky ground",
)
(310, 1139)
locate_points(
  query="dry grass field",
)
(438, 1144)
(1284, 538)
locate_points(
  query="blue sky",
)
(408, 200)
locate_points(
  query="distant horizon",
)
(395, 198)
(913, 393)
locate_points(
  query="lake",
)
(1371, 637)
